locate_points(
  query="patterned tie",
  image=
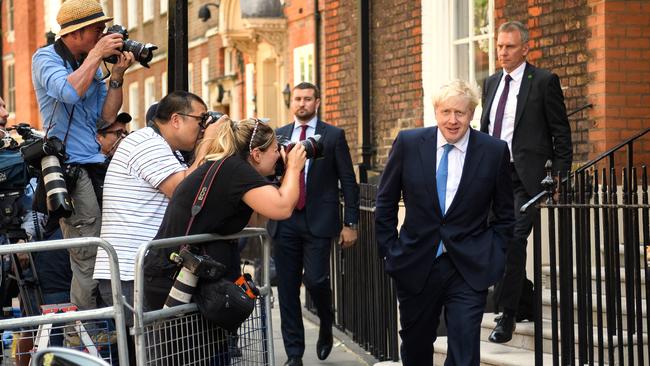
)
(501, 107)
(302, 199)
(441, 185)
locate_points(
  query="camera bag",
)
(221, 301)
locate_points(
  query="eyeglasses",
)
(117, 133)
(203, 118)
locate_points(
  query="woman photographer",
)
(249, 151)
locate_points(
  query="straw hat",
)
(76, 14)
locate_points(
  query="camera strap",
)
(62, 50)
(201, 195)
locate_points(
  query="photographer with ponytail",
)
(246, 152)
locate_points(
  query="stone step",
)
(524, 337)
(546, 307)
(546, 280)
(493, 354)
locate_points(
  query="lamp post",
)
(286, 93)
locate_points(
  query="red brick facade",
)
(17, 49)
(396, 71)
(601, 51)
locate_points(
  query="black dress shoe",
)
(502, 333)
(293, 361)
(325, 342)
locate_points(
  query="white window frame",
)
(438, 34)
(164, 5)
(147, 10)
(149, 91)
(250, 92)
(227, 61)
(163, 84)
(11, 87)
(303, 64)
(190, 78)
(134, 104)
(117, 12)
(132, 14)
(205, 76)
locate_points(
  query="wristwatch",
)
(114, 84)
(351, 225)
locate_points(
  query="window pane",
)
(462, 61)
(481, 21)
(462, 18)
(481, 61)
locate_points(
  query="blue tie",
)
(441, 184)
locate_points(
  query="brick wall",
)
(396, 49)
(396, 71)
(340, 76)
(558, 41)
(620, 73)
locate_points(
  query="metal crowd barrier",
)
(112, 312)
(180, 335)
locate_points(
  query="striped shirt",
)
(133, 205)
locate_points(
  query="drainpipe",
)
(177, 46)
(367, 149)
(317, 44)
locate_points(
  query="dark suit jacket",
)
(323, 176)
(475, 246)
(542, 129)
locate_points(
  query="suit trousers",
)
(512, 284)
(295, 250)
(420, 314)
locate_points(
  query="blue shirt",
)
(49, 75)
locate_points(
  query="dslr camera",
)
(143, 52)
(313, 148)
(209, 118)
(46, 154)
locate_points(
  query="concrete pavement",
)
(342, 352)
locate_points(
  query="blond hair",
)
(235, 138)
(457, 88)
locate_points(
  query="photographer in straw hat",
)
(72, 95)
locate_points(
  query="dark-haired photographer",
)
(72, 95)
(144, 172)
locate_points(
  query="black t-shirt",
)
(223, 213)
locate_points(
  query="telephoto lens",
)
(194, 266)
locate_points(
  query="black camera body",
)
(210, 117)
(46, 154)
(313, 147)
(202, 266)
(143, 52)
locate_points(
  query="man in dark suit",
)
(446, 253)
(303, 241)
(524, 106)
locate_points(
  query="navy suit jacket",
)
(475, 246)
(542, 129)
(323, 176)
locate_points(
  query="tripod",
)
(12, 273)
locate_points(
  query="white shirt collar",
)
(312, 123)
(517, 73)
(460, 144)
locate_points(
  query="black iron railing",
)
(592, 291)
(364, 297)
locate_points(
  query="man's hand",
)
(109, 44)
(124, 61)
(348, 237)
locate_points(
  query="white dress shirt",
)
(508, 126)
(310, 132)
(455, 163)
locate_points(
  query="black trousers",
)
(295, 251)
(513, 283)
(420, 315)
